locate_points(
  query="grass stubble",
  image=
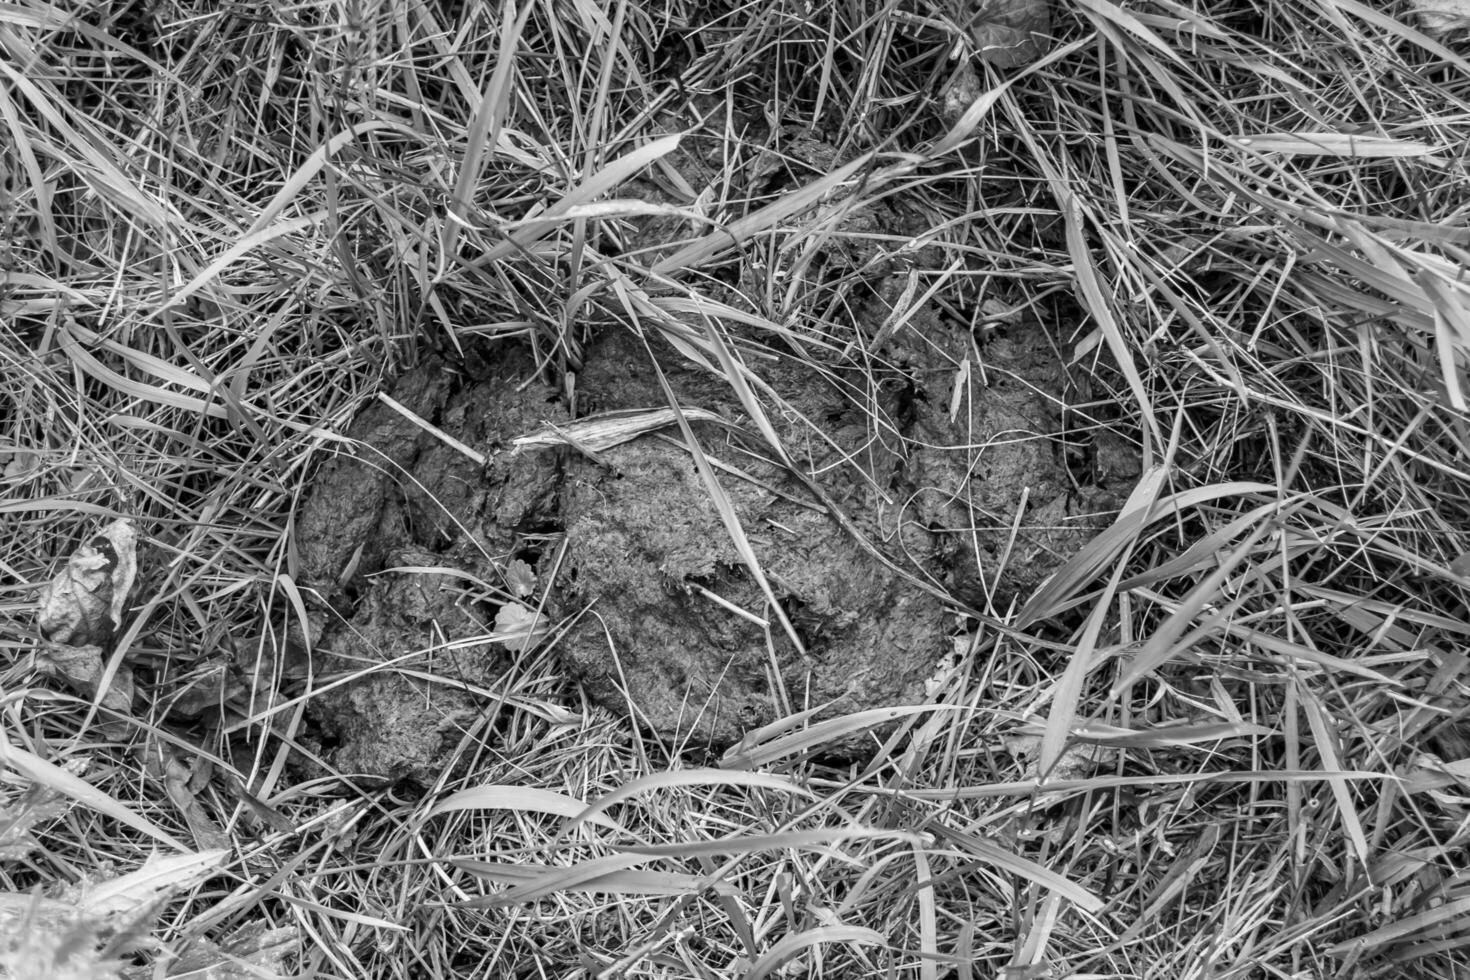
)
(1226, 740)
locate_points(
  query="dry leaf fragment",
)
(520, 578)
(1007, 33)
(84, 604)
(594, 434)
(114, 902)
(253, 952)
(36, 805)
(519, 627)
(19, 464)
(1438, 18)
(83, 668)
(164, 764)
(1078, 759)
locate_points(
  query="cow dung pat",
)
(676, 614)
(657, 613)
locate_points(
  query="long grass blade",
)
(52, 776)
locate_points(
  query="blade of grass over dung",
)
(601, 432)
(735, 374)
(1058, 591)
(772, 730)
(794, 945)
(729, 517)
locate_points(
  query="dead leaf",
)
(960, 92)
(20, 464)
(84, 604)
(520, 578)
(162, 762)
(1007, 33)
(252, 952)
(596, 433)
(82, 668)
(1437, 18)
(113, 903)
(519, 628)
(1078, 759)
(35, 805)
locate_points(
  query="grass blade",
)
(522, 799)
(53, 777)
(754, 754)
(679, 778)
(716, 243)
(794, 945)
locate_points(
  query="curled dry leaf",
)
(82, 667)
(1007, 33)
(83, 605)
(1438, 18)
(82, 609)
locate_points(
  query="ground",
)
(715, 490)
